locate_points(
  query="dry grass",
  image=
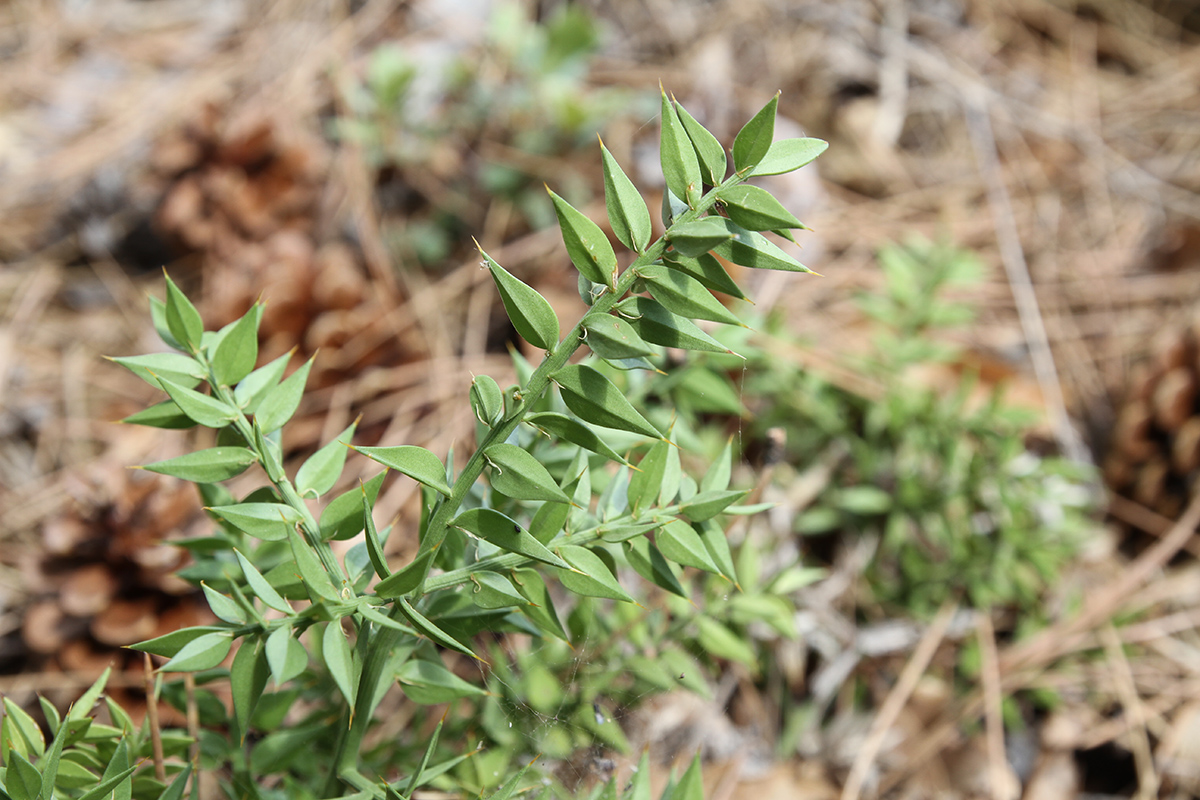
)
(1057, 141)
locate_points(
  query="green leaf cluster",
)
(578, 487)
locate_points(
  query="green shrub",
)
(571, 486)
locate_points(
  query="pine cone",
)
(1154, 457)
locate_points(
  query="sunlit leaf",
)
(611, 337)
(343, 518)
(237, 353)
(707, 270)
(165, 415)
(531, 314)
(787, 155)
(175, 367)
(691, 239)
(254, 387)
(680, 543)
(492, 590)
(752, 249)
(267, 521)
(207, 411)
(320, 471)
(407, 579)
(707, 505)
(589, 576)
(516, 473)
(492, 526)
(754, 139)
(682, 294)
(312, 571)
(648, 561)
(203, 652)
(206, 466)
(709, 151)
(680, 167)
(586, 244)
(432, 631)
(755, 209)
(261, 587)
(416, 462)
(627, 212)
(572, 430)
(281, 402)
(226, 608)
(595, 399)
(486, 400)
(183, 320)
(656, 324)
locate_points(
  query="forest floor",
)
(235, 144)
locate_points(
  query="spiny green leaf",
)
(254, 387)
(407, 579)
(695, 238)
(183, 320)
(645, 484)
(492, 526)
(682, 294)
(611, 337)
(261, 586)
(204, 652)
(707, 505)
(247, 680)
(164, 415)
(720, 471)
(432, 631)
(680, 167)
(206, 466)
(343, 518)
(752, 249)
(24, 726)
(595, 399)
(586, 244)
(707, 270)
(754, 139)
(429, 682)
(207, 411)
(589, 576)
(23, 780)
(416, 462)
(487, 400)
(548, 521)
(235, 356)
(320, 471)
(374, 546)
(510, 786)
(627, 212)
(708, 150)
(787, 155)
(572, 430)
(175, 367)
(174, 791)
(756, 209)
(158, 316)
(679, 542)
(267, 521)
(286, 657)
(541, 606)
(494, 591)
(713, 536)
(658, 325)
(281, 402)
(224, 607)
(312, 572)
(516, 473)
(531, 314)
(336, 651)
(168, 645)
(648, 562)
